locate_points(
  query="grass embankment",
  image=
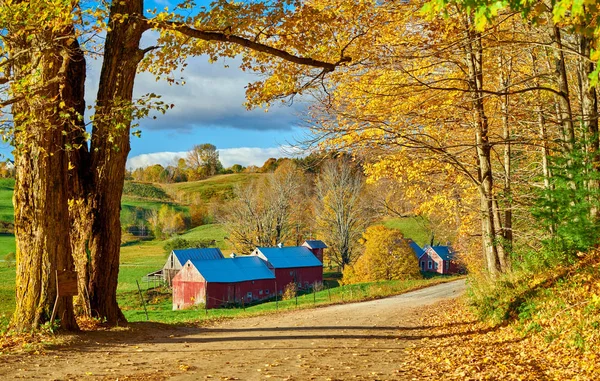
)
(159, 304)
(540, 326)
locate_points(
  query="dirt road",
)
(358, 341)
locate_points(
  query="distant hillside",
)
(216, 187)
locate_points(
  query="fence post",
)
(142, 299)
(276, 297)
(315, 293)
(329, 293)
(296, 298)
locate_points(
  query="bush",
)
(290, 291)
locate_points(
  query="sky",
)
(209, 109)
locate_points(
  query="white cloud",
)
(229, 156)
(147, 159)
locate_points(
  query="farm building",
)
(439, 259)
(218, 282)
(292, 264)
(415, 247)
(177, 258)
(316, 247)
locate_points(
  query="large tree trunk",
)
(589, 115)
(108, 152)
(565, 112)
(474, 56)
(41, 197)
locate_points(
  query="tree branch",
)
(250, 44)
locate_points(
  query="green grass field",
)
(7, 212)
(411, 227)
(7, 292)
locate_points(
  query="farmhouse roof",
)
(416, 248)
(289, 257)
(445, 252)
(315, 244)
(183, 255)
(232, 270)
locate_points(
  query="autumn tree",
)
(203, 161)
(269, 210)
(340, 215)
(386, 256)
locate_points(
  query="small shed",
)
(292, 264)
(218, 282)
(439, 259)
(316, 246)
(178, 257)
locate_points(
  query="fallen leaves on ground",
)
(556, 337)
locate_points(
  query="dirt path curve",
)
(358, 341)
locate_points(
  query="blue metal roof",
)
(289, 257)
(445, 252)
(184, 255)
(315, 244)
(416, 248)
(232, 270)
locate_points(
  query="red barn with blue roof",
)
(316, 246)
(218, 282)
(439, 259)
(292, 264)
(177, 258)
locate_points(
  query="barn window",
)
(172, 262)
(423, 265)
(249, 295)
(447, 264)
(435, 265)
(267, 292)
(291, 273)
(260, 292)
(429, 265)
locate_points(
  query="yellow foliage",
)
(387, 256)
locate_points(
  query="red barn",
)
(316, 246)
(178, 258)
(224, 281)
(439, 259)
(293, 264)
